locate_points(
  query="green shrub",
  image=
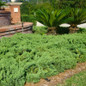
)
(29, 57)
(82, 30)
(28, 18)
(44, 29)
(2, 4)
(27, 8)
(40, 29)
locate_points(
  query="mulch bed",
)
(55, 80)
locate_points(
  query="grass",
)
(76, 80)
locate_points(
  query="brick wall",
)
(12, 29)
(5, 18)
(16, 17)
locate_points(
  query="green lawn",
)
(76, 80)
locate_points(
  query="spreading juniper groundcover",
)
(29, 57)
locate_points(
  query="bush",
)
(28, 11)
(27, 8)
(29, 57)
(40, 29)
(2, 4)
(28, 18)
(43, 30)
(45, 5)
(82, 30)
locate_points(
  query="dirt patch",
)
(54, 80)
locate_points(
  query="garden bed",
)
(60, 78)
(30, 57)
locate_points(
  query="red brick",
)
(15, 16)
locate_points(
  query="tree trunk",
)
(73, 28)
(52, 30)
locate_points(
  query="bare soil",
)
(55, 80)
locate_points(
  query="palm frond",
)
(51, 18)
(77, 16)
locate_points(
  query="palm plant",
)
(52, 19)
(77, 16)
